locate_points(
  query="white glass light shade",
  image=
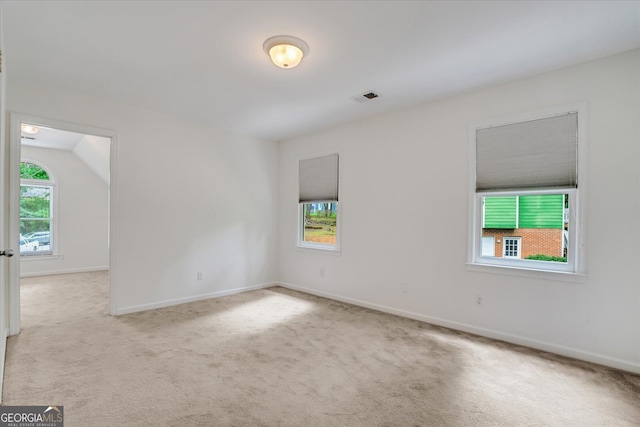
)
(285, 55)
(285, 51)
(29, 129)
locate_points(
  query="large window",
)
(318, 203)
(525, 190)
(36, 210)
(540, 221)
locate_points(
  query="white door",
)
(488, 246)
(4, 231)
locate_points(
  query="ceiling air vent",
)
(365, 97)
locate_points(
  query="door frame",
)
(4, 232)
(15, 121)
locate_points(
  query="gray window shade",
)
(319, 179)
(539, 153)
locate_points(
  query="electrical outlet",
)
(479, 300)
(199, 275)
(404, 288)
(321, 271)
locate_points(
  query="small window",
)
(318, 203)
(36, 210)
(525, 192)
(32, 171)
(511, 247)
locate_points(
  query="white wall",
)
(186, 198)
(94, 151)
(82, 212)
(403, 205)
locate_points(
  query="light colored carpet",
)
(276, 357)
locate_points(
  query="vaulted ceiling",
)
(204, 60)
(93, 151)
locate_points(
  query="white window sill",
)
(562, 276)
(39, 257)
(326, 249)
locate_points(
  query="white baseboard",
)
(70, 271)
(177, 301)
(574, 353)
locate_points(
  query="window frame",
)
(527, 264)
(53, 228)
(574, 268)
(314, 246)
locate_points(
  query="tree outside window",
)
(320, 222)
(36, 210)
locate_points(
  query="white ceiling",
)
(52, 138)
(93, 151)
(204, 59)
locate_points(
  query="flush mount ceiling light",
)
(285, 51)
(30, 129)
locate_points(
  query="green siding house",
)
(511, 212)
(527, 227)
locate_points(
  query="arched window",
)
(36, 210)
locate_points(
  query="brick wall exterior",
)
(534, 241)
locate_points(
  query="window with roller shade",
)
(318, 202)
(525, 185)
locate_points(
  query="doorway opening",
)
(60, 192)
